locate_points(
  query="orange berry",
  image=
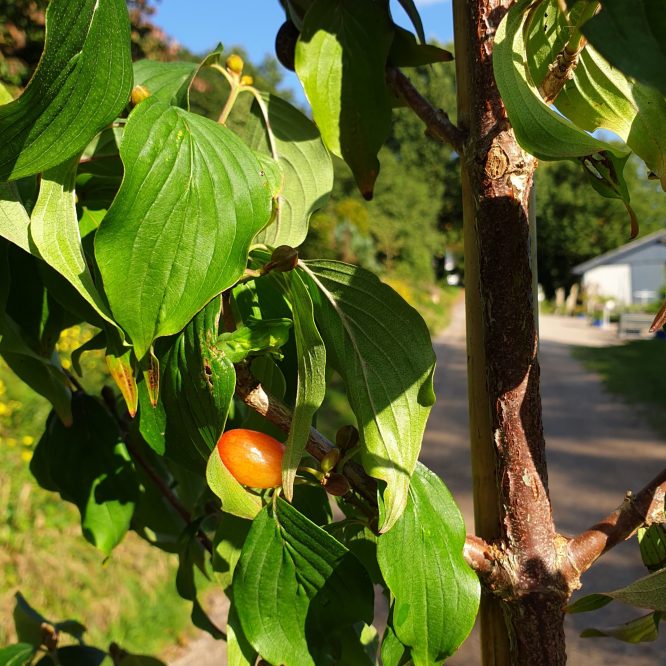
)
(253, 458)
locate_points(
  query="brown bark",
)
(508, 451)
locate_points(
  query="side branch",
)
(438, 123)
(642, 509)
(251, 392)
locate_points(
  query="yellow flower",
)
(27, 440)
(26, 456)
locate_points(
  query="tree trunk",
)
(523, 623)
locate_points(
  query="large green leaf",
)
(295, 586)
(630, 35)
(344, 80)
(89, 465)
(382, 349)
(539, 130)
(600, 96)
(436, 601)
(305, 162)
(167, 81)
(236, 500)
(311, 386)
(14, 219)
(178, 233)
(82, 83)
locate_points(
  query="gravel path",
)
(598, 448)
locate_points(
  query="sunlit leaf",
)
(82, 83)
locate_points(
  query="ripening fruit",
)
(253, 458)
(235, 64)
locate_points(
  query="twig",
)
(438, 123)
(560, 71)
(166, 491)
(645, 508)
(250, 391)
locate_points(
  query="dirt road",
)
(598, 448)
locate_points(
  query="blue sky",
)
(201, 24)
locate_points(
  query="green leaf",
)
(407, 52)
(27, 621)
(381, 347)
(648, 592)
(262, 335)
(178, 232)
(236, 500)
(630, 35)
(394, 653)
(311, 386)
(538, 129)
(227, 545)
(89, 465)
(652, 542)
(44, 376)
(639, 630)
(362, 542)
(14, 219)
(71, 97)
(435, 603)
(16, 655)
(295, 586)
(197, 387)
(306, 166)
(344, 80)
(239, 650)
(55, 236)
(599, 96)
(410, 9)
(167, 81)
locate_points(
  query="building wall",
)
(647, 279)
(611, 281)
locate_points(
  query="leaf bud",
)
(139, 94)
(234, 64)
(330, 460)
(283, 259)
(346, 438)
(337, 484)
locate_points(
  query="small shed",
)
(631, 274)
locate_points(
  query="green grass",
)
(636, 372)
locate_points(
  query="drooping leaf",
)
(630, 35)
(236, 500)
(407, 52)
(82, 83)
(539, 130)
(435, 603)
(167, 81)
(89, 465)
(305, 162)
(227, 545)
(295, 586)
(239, 650)
(394, 653)
(55, 236)
(14, 219)
(344, 81)
(382, 349)
(411, 10)
(123, 373)
(639, 630)
(179, 230)
(311, 386)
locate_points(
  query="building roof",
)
(614, 255)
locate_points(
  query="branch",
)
(250, 391)
(438, 123)
(566, 60)
(645, 508)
